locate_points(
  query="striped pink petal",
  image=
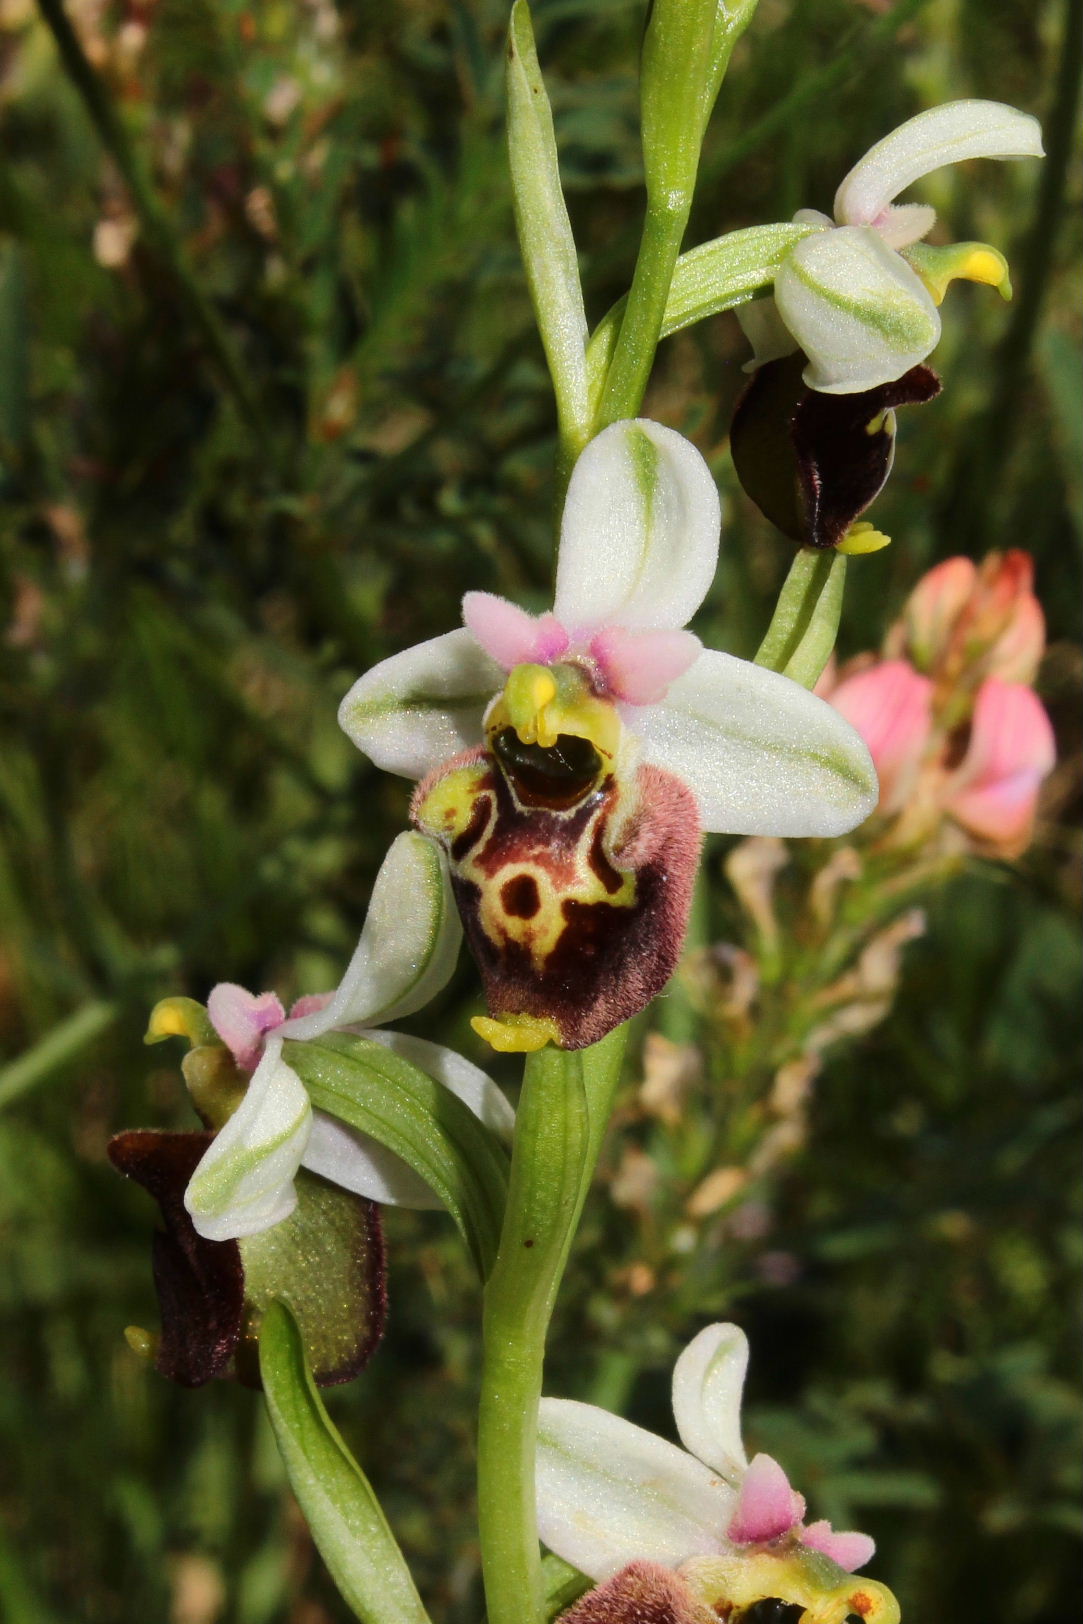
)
(509, 635)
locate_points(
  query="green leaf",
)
(718, 275)
(545, 233)
(344, 1515)
(378, 1092)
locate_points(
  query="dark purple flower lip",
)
(326, 1262)
(813, 462)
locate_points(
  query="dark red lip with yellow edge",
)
(573, 881)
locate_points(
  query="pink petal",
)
(310, 1004)
(638, 666)
(890, 704)
(766, 1504)
(509, 635)
(995, 792)
(851, 1551)
(933, 608)
(242, 1020)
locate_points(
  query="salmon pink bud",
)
(932, 610)
(1006, 619)
(890, 705)
(994, 794)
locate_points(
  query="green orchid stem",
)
(625, 386)
(805, 623)
(563, 1112)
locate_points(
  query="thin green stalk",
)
(625, 386)
(805, 623)
(156, 228)
(562, 1116)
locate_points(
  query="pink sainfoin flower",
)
(953, 727)
(994, 793)
(890, 704)
(620, 1503)
(964, 622)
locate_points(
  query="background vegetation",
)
(270, 401)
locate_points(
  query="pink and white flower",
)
(638, 551)
(611, 1495)
(406, 954)
(848, 295)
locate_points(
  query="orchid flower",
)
(612, 1496)
(573, 758)
(813, 463)
(244, 1182)
(860, 296)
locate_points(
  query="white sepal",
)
(855, 307)
(942, 135)
(766, 331)
(458, 1075)
(411, 712)
(760, 753)
(610, 1493)
(244, 1182)
(408, 946)
(639, 538)
(360, 1163)
(708, 1380)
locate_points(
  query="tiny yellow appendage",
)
(143, 1343)
(862, 538)
(516, 1034)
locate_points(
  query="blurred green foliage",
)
(268, 433)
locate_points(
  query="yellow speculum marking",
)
(449, 806)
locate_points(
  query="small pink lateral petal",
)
(242, 1020)
(310, 1004)
(766, 1504)
(638, 666)
(850, 1550)
(509, 634)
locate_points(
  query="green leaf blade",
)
(545, 233)
(349, 1527)
(379, 1093)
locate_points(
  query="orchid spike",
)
(612, 1496)
(244, 1182)
(588, 747)
(852, 296)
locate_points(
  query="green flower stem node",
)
(718, 275)
(805, 623)
(565, 1106)
(336, 1497)
(545, 233)
(379, 1093)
